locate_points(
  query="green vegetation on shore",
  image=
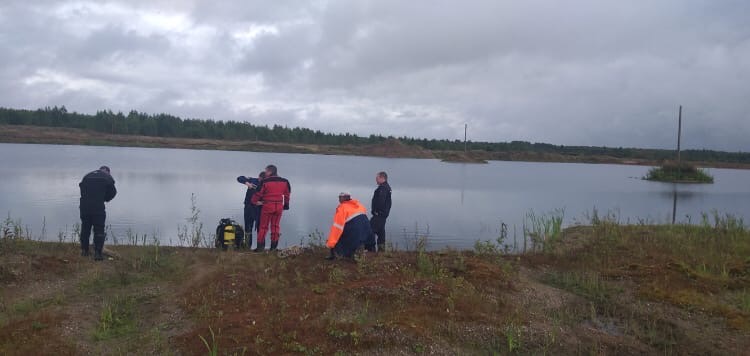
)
(297, 139)
(682, 173)
(600, 289)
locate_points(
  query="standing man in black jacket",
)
(381, 207)
(97, 187)
(252, 211)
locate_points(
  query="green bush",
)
(672, 172)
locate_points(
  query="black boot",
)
(261, 247)
(98, 246)
(249, 240)
(274, 245)
(84, 247)
(381, 247)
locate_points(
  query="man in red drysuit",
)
(274, 195)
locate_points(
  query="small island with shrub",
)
(679, 173)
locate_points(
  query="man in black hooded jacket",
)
(97, 187)
(381, 207)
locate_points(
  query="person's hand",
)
(259, 203)
(286, 206)
(250, 185)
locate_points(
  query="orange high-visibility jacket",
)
(345, 212)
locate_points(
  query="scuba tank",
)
(229, 233)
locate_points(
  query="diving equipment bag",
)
(229, 233)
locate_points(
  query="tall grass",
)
(192, 235)
(117, 318)
(427, 266)
(418, 238)
(213, 348)
(691, 267)
(724, 222)
(14, 230)
(73, 237)
(499, 246)
(314, 240)
(543, 230)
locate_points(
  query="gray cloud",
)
(114, 40)
(587, 72)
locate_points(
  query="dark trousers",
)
(252, 218)
(252, 222)
(97, 222)
(347, 245)
(356, 233)
(377, 223)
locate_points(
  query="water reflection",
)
(679, 194)
(674, 204)
(463, 182)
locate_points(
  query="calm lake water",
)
(453, 204)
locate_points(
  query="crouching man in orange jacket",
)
(350, 229)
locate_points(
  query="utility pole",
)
(679, 134)
(466, 128)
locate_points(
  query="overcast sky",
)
(590, 72)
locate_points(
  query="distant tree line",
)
(164, 125)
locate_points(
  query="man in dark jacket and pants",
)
(97, 187)
(252, 211)
(381, 207)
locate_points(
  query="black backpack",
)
(229, 233)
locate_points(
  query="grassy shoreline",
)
(602, 289)
(389, 149)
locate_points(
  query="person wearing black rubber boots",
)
(97, 188)
(273, 195)
(252, 211)
(381, 207)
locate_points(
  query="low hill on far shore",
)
(391, 148)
